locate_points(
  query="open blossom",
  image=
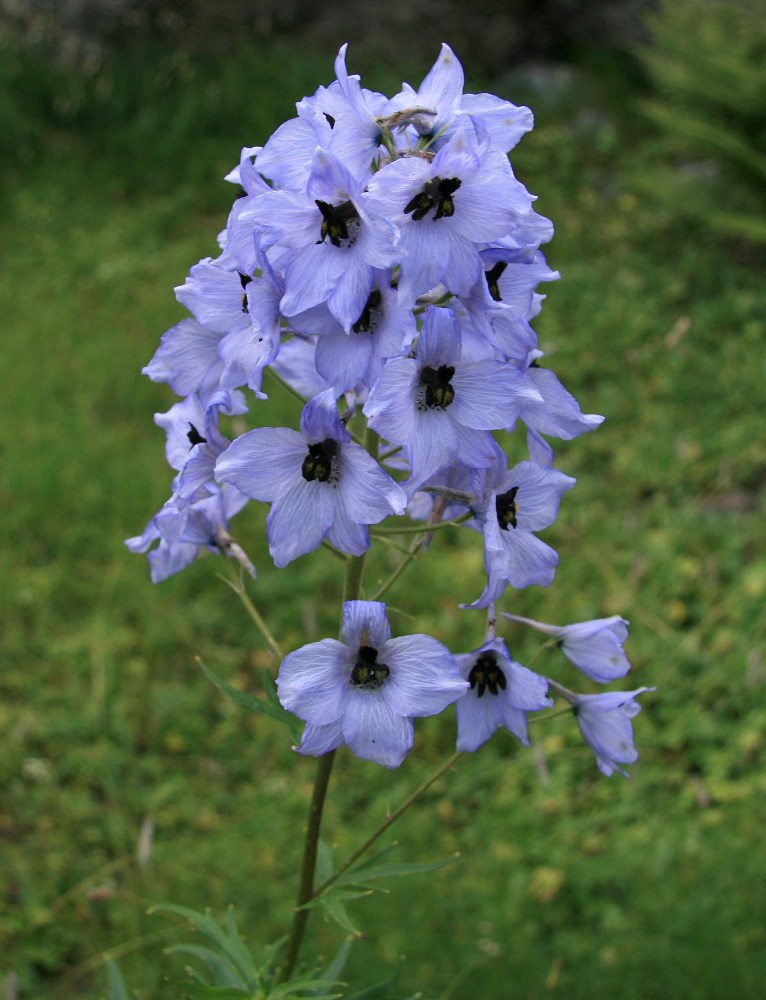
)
(319, 483)
(446, 208)
(440, 407)
(441, 94)
(329, 238)
(516, 503)
(365, 689)
(501, 693)
(351, 359)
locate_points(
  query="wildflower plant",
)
(381, 261)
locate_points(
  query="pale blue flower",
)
(501, 693)
(595, 646)
(605, 723)
(319, 483)
(365, 689)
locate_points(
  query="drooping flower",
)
(595, 646)
(183, 534)
(319, 483)
(501, 693)
(605, 723)
(365, 689)
(194, 441)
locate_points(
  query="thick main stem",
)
(306, 886)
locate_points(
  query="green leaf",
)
(306, 984)
(117, 988)
(229, 945)
(269, 706)
(198, 991)
(331, 904)
(351, 877)
(220, 968)
(338, 964)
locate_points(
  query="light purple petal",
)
(299, 520)
(313, 681)
(346, 534)
(390, 407)
(186, 353)
(263, 463)
(319, 740)
(487, 394)
(374, 732)
(424, 678)
(365, 624)
(477, 720)
(369, 494)
(320, 419)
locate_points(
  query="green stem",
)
(389, 821)
(420, 528)
(411, 555)
(238, 586)
(549, 644)
(306, 886)
(351, 590)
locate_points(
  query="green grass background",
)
(567, 884)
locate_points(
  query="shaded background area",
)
(126, 780)
(492, 37)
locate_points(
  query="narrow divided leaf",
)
(269, 706)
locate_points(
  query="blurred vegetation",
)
(707, 62)
(128, 780)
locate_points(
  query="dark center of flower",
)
(319, 463)
(505, 505)
(244, 280)
(370, 314)
(194, 436)
(335, 222)
(486, 674)
(436, 193)
(492, 277)
(367, 673)
(438, 391)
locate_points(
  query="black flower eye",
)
(505, 506)
(335, 220)
(319, 463)
(436, 193)
(367, 672)
(439, 393)
(486, 675)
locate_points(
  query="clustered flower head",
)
(381, 259)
